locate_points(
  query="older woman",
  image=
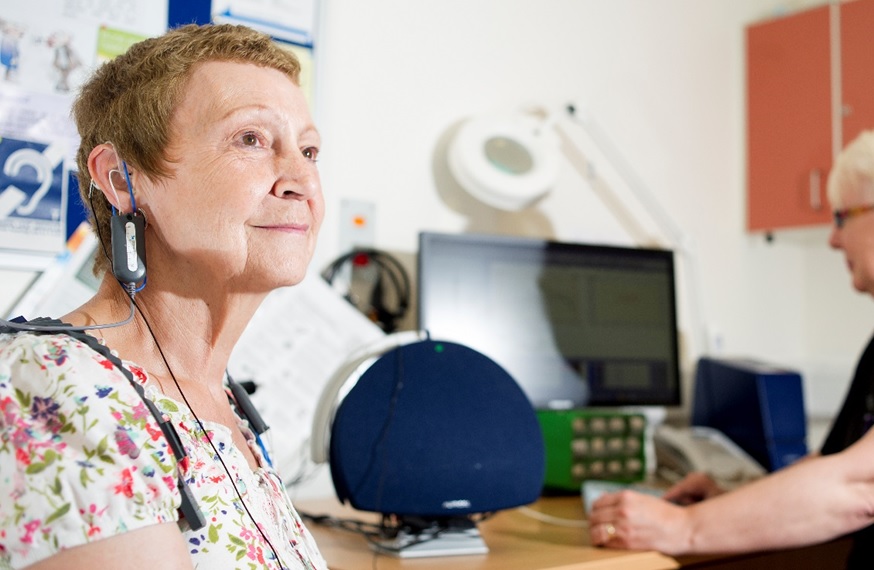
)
(200, 144)
(812, 501)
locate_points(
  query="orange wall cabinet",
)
(857, 62)
(790, 111)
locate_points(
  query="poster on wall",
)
(47, 48)
(291, 23)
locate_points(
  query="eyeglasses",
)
(841, 216)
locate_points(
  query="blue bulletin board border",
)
(180, 12)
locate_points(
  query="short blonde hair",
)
(130, 100)
(851, 180)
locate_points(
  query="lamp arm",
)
(676, 238)
(629, 176)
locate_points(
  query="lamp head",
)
(506, 161)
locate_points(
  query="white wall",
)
(664, 79)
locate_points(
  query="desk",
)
(518, 541)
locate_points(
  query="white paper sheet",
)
(297, 339)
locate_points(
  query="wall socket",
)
(357, 224)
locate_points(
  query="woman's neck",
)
(188, 337)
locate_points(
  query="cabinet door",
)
(788, 120)
(857, 63)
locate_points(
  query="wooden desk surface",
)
(516, 541)
(519, 541)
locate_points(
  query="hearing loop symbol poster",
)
(47, 48)
(33, 195)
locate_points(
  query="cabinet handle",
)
(814, 183)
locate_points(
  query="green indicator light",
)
(438, 348)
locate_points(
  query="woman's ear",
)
(107, 176)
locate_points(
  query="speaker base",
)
(439, 539)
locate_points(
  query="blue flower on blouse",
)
(45, 409)
(103, 391)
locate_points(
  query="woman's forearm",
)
(806, 503)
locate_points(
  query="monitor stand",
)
(439, 538)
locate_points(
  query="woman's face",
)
(243, 203)
(856, 240)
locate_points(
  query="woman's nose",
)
(834, 238)
(298, 177)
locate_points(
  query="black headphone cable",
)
(214, 449)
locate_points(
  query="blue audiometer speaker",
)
(434, 429)
(758, 406)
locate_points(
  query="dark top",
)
(853, 420)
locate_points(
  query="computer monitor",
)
(576, 325)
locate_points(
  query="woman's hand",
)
(695, 487)
(632, 520)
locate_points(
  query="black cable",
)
(350, 525)
(68, 327)
(190, 408)
(425, 530)
(134, 307)
(383, 436)
(385, 265)
(212, 445)
(389, 527)
(188, 503)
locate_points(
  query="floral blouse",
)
(82, 458)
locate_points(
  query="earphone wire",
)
(211, 444)
(70, 328)
(131, 290)
(130, 187)
(136, 308)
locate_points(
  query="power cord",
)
(549, 519)
(389, 272)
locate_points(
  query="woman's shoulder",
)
(84, 458)
(41, 349)
(59, 366)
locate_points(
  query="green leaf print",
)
(103, 445)
(84, 478)
(58, 513)
(23, 398)
(36, 467)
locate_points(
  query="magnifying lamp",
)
(508, 162)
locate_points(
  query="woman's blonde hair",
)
(130, 100)
(851, 180)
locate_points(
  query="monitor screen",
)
(576, 325)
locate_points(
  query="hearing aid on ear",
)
(128, 248)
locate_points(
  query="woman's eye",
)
(250, 139)
(311, 153)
